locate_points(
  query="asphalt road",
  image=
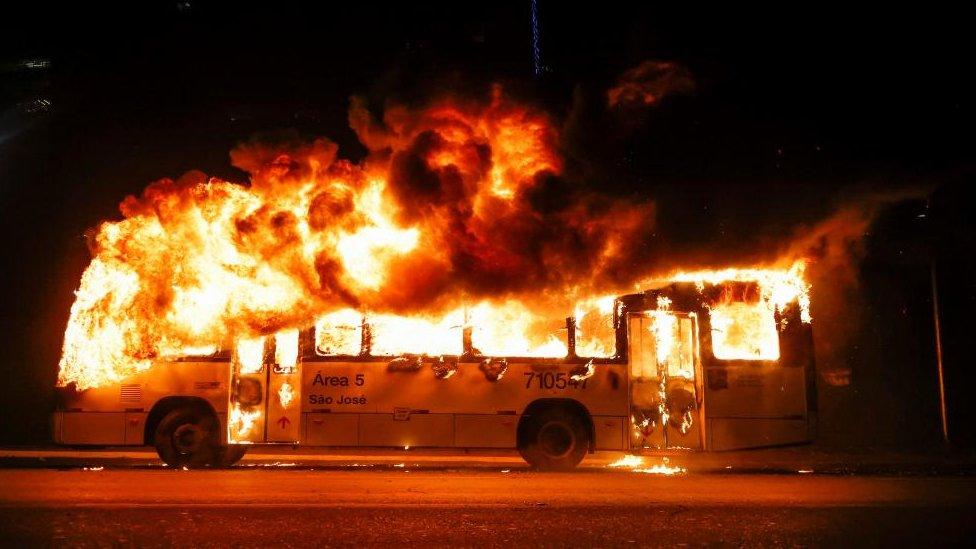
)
(258, 507)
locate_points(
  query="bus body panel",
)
(390, 407)
(756, 390)
(376, 387)
(116, 414)
(369, 403)
(742, 433)
(82, 428)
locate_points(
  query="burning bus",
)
(704, 361)
(216, 315)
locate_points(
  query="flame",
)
(661, 469)
(511, 329)
(743, 327)
(638, 465)
(629, 461)
(240, 422)
(286, 395)
(250, 355)
(744, 331)
(339, 333)
(395, 335)
(457, 220)
(595, 335)
(365, 252)
(189, 350)
(286, 350)
(663, 329)
(778, 287)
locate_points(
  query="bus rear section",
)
(684, 367)
(718, 368)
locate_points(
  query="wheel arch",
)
(569, 404)
(166, 405)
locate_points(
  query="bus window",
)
(510, 329)
(643, 349)
(392, 335)
(339, 334)
(595, 334)
(744, 331)
(201, 351)
(286, 351)
(250, 355)
(682, 360)
(660, 340)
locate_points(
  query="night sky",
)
(792, 114)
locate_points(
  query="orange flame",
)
(456, 220)
(746, 328)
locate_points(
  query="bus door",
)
(664, 397)
(265, 396)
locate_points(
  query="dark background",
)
(793, 113)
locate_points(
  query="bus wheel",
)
(227, 455)
(187, 437)
(555, 439)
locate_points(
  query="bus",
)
(686, 366)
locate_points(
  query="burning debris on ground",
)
(639, 464)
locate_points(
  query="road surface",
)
(262, 506)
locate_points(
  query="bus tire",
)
(228, 455)
(554, 439)
(187, 437)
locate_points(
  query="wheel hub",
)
(188, 438)
(556, 439)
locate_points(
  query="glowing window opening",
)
(744, 331)
(250, 355)
(286, 351)
(393, 335)
(511, 333)
(596, 335)
(339, 334)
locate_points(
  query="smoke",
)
(647, 84)
(486, 183)
(834, 248)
